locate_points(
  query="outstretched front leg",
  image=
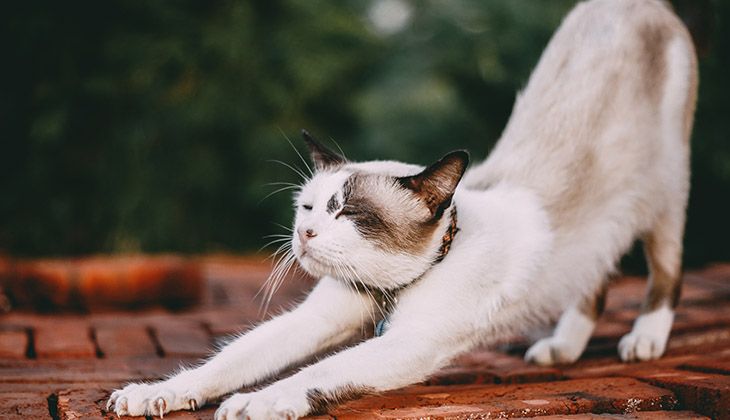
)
(330, 315)
(424, 335)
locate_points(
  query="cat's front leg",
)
(412, 349)
(331, 314)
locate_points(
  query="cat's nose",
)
(306, 234)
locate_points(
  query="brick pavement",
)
(63, 365)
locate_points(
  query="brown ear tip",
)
(306, 134)
(458, 155)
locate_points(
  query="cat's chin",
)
(313, 266)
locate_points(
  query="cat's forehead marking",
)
(333, 204)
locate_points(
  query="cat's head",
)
(379, 223)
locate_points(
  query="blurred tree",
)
(150, 126)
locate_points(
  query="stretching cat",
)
(595, 155)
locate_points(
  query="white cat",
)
(596, 154)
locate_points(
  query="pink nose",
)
(305, 234)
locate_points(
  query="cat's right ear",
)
(322, 157)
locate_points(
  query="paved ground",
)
(62, 366)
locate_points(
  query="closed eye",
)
(307, 206)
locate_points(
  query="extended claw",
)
(161, 405)
(193, 405)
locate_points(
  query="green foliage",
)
(151, 126)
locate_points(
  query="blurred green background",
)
(150, 126)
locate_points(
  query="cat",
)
(441, 259)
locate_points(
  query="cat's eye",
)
(307, 207)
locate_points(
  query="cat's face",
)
(377, 223)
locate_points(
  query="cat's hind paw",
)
(648, 338)
(155, 399)
(637, 347)
(551, 351)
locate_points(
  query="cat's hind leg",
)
(571, 334)
(663, 248)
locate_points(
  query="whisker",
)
(288, 238)
(282, 183)
(287, 228)
(288, 187)
(297, 151)
(339, 148)
(274, 281)
(277, 235)
(293, 168)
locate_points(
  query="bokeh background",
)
(149, 126)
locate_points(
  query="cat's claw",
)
(154, 399)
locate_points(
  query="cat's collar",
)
(447, 238)
(388, 299)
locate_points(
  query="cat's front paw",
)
(155, 399)
(263, 405)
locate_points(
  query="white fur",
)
(648, 339)
(579, 173)
(567, 342)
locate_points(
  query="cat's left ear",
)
(435, 186)
(322, 157)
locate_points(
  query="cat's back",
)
(609, 104)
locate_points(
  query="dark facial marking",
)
(333, 204)
(374, 221)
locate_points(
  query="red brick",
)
(222, 323)
(114, 372)
(626, 292)
(700, 317)
(64, 339)
(705, 393)
(488, 367)
(614, 395)
(718, 363)
(24, 404)
(641, 415)
(699, 341)
(607, 329)
(125, 341)
(182, 339)
(13, 343)
(80, 404)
